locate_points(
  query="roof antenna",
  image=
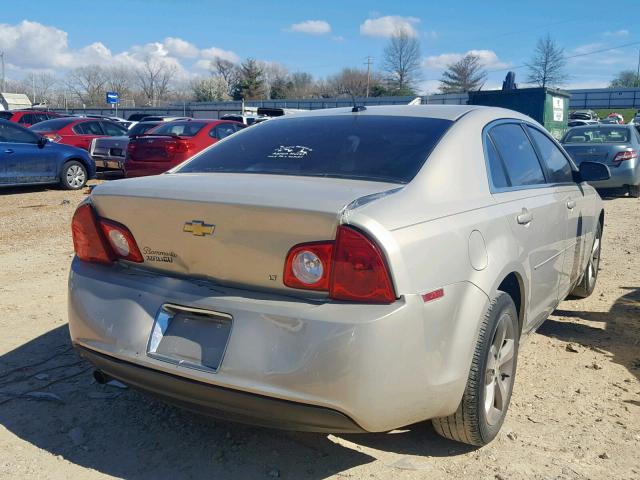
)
(356, 108)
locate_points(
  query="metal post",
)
(2, 70)
(369, 61)
(637, 82)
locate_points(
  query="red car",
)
(171, 143)
(26, 118)
(78, 132)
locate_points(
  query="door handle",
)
(571, 204)
(8, 150)
(525, 217)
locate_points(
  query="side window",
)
(27, 118)
(518, 155)
(498, 173)
(223, 130)
(88, 128)
(13, 134)
(112, 129)
(557, 164)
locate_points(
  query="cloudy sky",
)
(318, 37)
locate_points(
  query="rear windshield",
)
(369, 147)
(52, 125)
(140, 128)
(597, 135)
(184, 129)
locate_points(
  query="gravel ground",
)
(575, 411)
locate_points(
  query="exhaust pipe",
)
(101, 377)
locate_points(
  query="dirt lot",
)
(575, 412)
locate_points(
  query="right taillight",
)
(98, 240)
(352, 268)
(359, 271)
(623, 156)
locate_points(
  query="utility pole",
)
(638, 71)
(368, 63)
(1, 71)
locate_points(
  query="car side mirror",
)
(594, 172)
(42, 141)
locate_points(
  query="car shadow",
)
(620, 336)
(48, 397)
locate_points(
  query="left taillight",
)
(351, 268)
(98, 240)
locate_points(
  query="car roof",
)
(446, 112)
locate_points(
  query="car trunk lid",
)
(233, 228)
(159, 148)
(603, 153)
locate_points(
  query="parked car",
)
(109, 152)
(583, 115)
(617, 146)
(26, 118)
(578, 123)
(78, 132)
(160, 118)
(333, 272)
(120, 121)
(171, 143)
(616, 116)
(26, 158)
(247, 120)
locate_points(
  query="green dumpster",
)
(548, 106)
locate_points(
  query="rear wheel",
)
(74, 175)
(588, 282)
(486, 397)
(634, 191)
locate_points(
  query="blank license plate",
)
(190, 337)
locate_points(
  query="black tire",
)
(73, 175)
(587, 283)
(634, 191)
(473, 423)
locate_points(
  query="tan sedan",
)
(341, 270)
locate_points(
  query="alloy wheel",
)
(594, 261)
(499, 371)
(75, 176)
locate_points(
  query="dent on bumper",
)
(383, 366)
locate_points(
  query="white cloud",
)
(387, 26)
(617, 33)
(213, 52)
(488, 59)
(180, 48)
(311, 27)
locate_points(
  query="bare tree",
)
(210, 89)
(465, 75)
(625, 79)
(87, 84)
(350, 81)
(228, 71)
(547, 67)
(40, 86)
(401, 62)
(154, 79)
(121, 79)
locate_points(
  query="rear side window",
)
(365, 147)
(88, 128)
(184, 129)
(14, 134)
(498, 172)
(140, 128)
(28, 118)
(517, 153)
(223, 130)
(113, 129)
(557, 164)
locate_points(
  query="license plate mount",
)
(190, 337)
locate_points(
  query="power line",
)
(631, 44)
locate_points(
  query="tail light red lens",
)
(88, 241)
(352, 268)
(121, 240)
(622, 156)
(360, 272)
(98, 240)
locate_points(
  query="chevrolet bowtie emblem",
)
(198, 228)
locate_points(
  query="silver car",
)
(110, 153)
(342, 270)
(617, 146)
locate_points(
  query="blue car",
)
(26, 158)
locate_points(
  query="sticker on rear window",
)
(291, 151)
